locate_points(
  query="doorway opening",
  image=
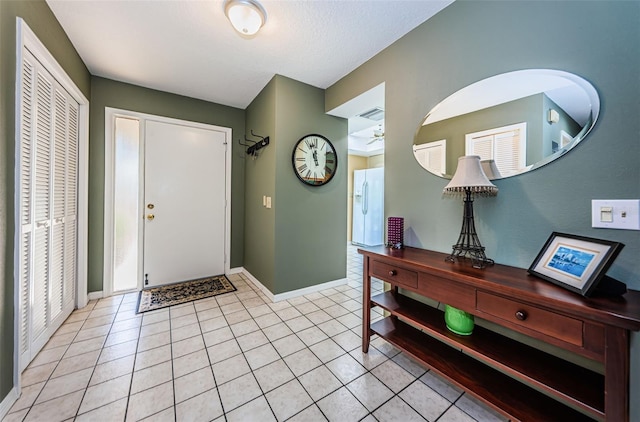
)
(366, 144)
(158, 205)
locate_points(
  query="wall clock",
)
(314, 160)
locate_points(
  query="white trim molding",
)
(237, 270)
(95, 295)
(7, 402)
(292, 293)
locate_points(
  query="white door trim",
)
(26, 39)
(109, 118)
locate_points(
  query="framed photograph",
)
(576, 263)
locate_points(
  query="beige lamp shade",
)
(469, 176)
(490, 169)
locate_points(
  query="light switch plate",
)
(621, 214)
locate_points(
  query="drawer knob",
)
(392, 272)
(521, 315)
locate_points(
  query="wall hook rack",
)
(256, 145)
(247, 142)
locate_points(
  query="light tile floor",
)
(234, 357)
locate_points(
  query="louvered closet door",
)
(48, 198)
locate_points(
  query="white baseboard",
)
(7, 402)
(236, 270)
(95, 295)
(259, 285)
(311, 289)
(293, 293)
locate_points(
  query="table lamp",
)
(469, 180)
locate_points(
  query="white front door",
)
(184, 203)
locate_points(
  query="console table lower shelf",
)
(512, 398)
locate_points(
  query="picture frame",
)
(577, 263)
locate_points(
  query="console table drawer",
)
(549, 323)
(447, 291)
(394, 275)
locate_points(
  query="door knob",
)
(150, 217)
(150, 206)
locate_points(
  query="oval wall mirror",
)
(516, 122)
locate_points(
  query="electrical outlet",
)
(621, 214)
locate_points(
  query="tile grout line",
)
(322, 364)
(98, 358)
(251, 370)
(96, 365)
(173, 377)
(133, 367)
(206, 351)
(50, 378)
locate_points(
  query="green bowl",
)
(459, 322)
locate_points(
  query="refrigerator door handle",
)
(365, 200)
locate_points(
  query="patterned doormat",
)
(183, 292)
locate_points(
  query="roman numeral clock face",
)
(314, 160)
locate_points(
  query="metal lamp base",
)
(475, 254)
(468, 245)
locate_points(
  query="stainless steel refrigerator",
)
(368, 207)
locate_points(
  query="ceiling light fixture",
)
(246, 16)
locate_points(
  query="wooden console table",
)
(518, 380)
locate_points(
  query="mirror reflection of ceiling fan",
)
(378, 135)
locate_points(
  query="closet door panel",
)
(25, 280)
(47, 160)
(58, 207)
(42, 209)
(69, 289)
(71, 206)
(25, 202)
(56, 279)
(43, 114)
(40, 289)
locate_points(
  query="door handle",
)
(150, 217)
(365, 200)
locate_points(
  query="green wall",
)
(260, 180)
(454, 129)
(311, 221)
(108, 93)
(40, 19)
(552, 131)
(301, 240)
(532, 110)
(472, 40)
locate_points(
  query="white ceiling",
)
(188, 47)
(362, 131)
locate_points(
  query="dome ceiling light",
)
(246, 16)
